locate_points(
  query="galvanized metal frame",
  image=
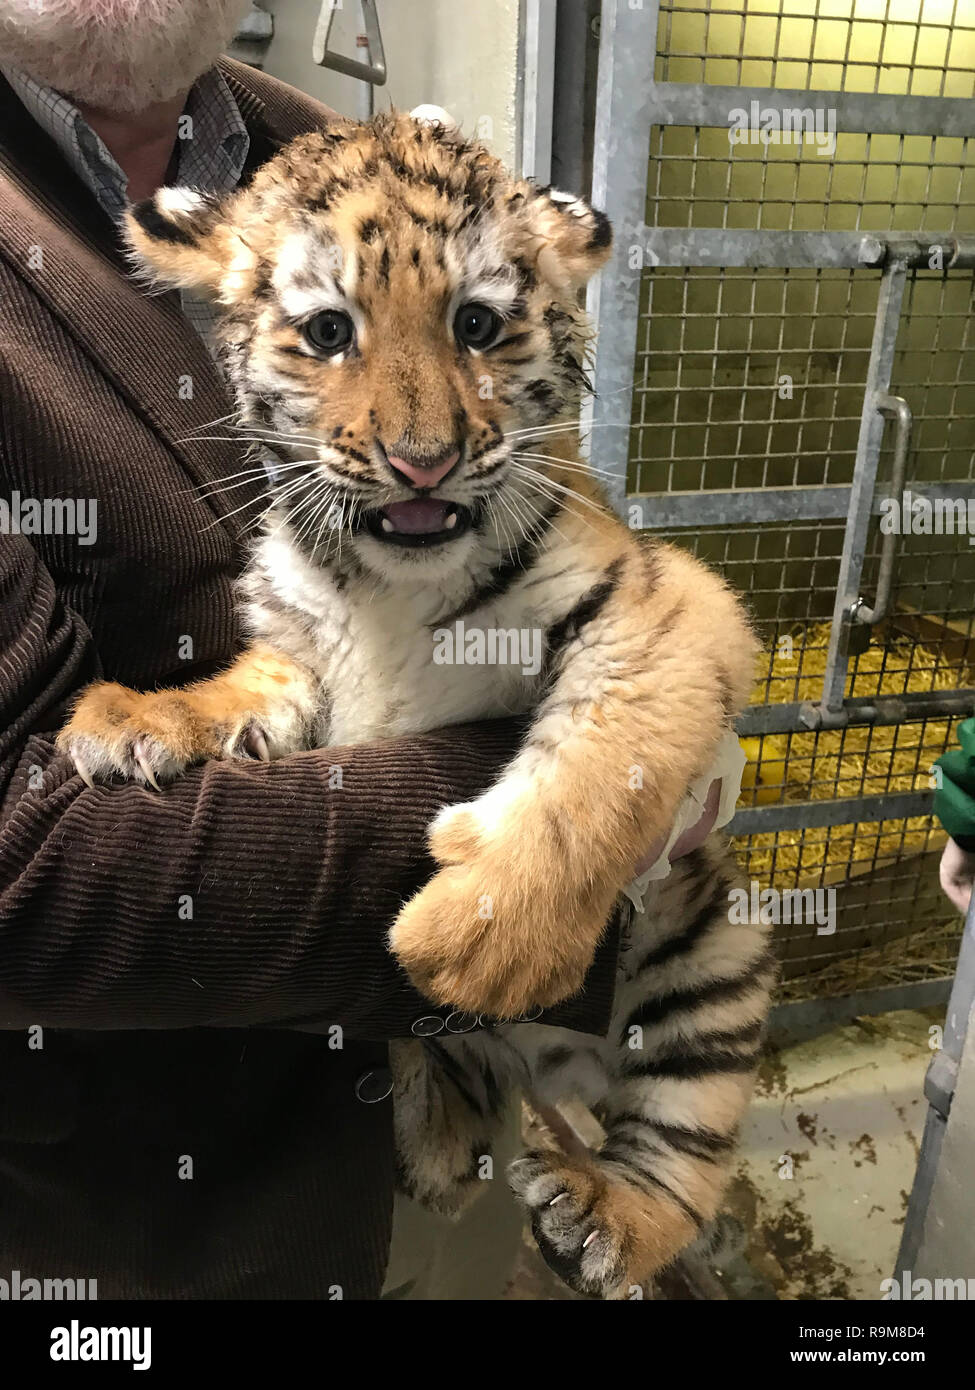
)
(805, 1018)
(806, 815)
(630, 104)
(758, 720)
(939, 1088)
(728, 246)
(536, 61)
(673, 511)
(701, 103)
(576, 52)
(625, 110)
(861, 500)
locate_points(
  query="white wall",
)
(459, 54)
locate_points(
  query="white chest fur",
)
(394, 661)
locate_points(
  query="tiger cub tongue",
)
(418, 517)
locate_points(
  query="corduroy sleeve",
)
(242, 895)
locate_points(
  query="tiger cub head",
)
(400, 319)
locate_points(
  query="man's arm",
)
(245, 894)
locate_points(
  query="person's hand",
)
(690, 838)
(957, 873)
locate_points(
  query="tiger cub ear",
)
(575, 237)
(181, 238)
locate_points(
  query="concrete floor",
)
(822, 1177)
(827, 1161)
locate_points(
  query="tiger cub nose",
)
(424, 472)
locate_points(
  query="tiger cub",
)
(400, 321)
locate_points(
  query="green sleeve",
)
(954, 800)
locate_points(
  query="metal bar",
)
(571, 109)
(939, 1088)
(700, 104)
(676, 511)
(879, 371)
(537, 89)
(723, 246)
(666, 511)
(848, 810)
(804, 1018)
(963, 994)
(619, 187)
(897, 408)
(375, 70)
(757, 720)
(365, 97)
(921, 1189)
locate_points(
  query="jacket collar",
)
(54, 235)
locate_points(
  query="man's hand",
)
(957, 873)
(690, 839)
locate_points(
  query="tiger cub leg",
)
(264, 706)
(450, 1099)
(687, 1032)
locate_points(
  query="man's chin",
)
(149, 53)
(133, 95)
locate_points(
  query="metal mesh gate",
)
(775, 315)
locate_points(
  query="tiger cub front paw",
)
(152, 738)
(503, 928)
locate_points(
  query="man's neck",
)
(141, 144)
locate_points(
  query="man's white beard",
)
(116, 55)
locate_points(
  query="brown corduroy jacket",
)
(192, 983)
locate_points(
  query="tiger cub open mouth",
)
(420, 522)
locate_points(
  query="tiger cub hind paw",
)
(601, 1235)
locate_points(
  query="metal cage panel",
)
(769, 308)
